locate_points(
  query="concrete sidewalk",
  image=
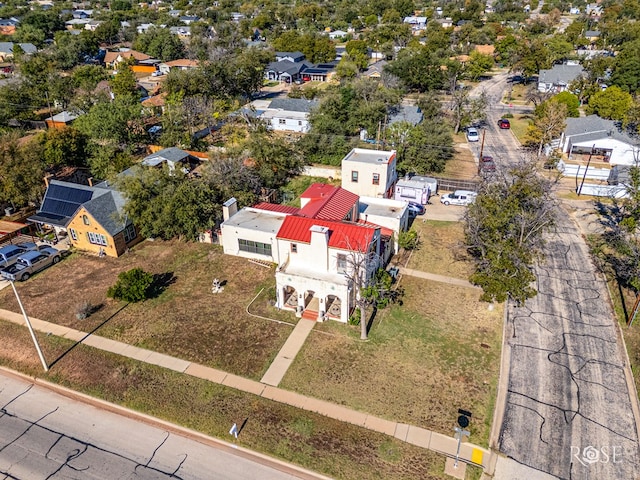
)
(288, 352)
(407, 433)
(437, 278)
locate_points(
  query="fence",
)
(611, 191)
(452, 184)
(578, 171)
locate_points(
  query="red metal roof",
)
(345, 236)
(276, 207)
(327, 202)
(383, 230)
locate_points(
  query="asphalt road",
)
(568, 410)
(44, 435)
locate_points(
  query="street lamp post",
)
(28, 322)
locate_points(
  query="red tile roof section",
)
(276, 207)
(327, 202)
(345, 236)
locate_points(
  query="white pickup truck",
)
(31, 262)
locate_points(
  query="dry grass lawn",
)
(186, 320)
(334, 448)
(438, 352)
(463, 164)
(431, 255)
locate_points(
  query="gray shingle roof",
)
(407, 113)
(296, 56)
(560, 74)
(171, 154)
(108, 211)
(293, 104)
(584, 129)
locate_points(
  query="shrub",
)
(408, 239)
(132, 286)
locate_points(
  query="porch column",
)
(300, 307)
(321, 308)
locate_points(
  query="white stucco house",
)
(602, 140)
(316, 246)
(369, 173)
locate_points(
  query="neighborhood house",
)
(317, 245)
(370, 173)
(92, 217)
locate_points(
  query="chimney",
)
(229, 208)
(90, 180)
(320, 246)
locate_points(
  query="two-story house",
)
(317, 246)
(369, 173)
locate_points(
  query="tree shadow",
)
(161, 281)
(68, 350)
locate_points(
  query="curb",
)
(257, 457)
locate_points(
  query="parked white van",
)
(459, 197)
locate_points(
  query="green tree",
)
(168, 204)
(612, 103)
(418, 68)
(132, 286)
(119, 122)
(626, 73)
(504, 231)
(571, 101)
(160, 43)
(123, 83)
(64, 146)
(275, 160)
(424, 148)
(21, 170)
(478, 65)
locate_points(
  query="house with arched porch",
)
(320, 249)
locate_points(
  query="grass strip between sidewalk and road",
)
(310, 440)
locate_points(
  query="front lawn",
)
(186, 320)
(437, 352)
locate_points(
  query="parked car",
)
(31, 262)
(459, 197)
(504, 124)
(416, 209)
(9, 254)
(473, 135)
(486, 164)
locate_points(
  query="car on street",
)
(486, 164)
(504, 124)
(415, 209)
(473, 135)
(31, 262)
(459, 197)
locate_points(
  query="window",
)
(299, 123)
(282, 121)
(73, 234)
(97, 238)
(342, 261)
(85, 220)
(294, 248)
(376, 179)
(129, 233)
(254, 247)
(354, 176)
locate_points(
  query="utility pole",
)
(484, 131)
(378, 136)
(33, 335)
(586, 170)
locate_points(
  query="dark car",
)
(416, 209)
(504, 124)
(486, 164)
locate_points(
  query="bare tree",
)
(548, 124)
(466, 110)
